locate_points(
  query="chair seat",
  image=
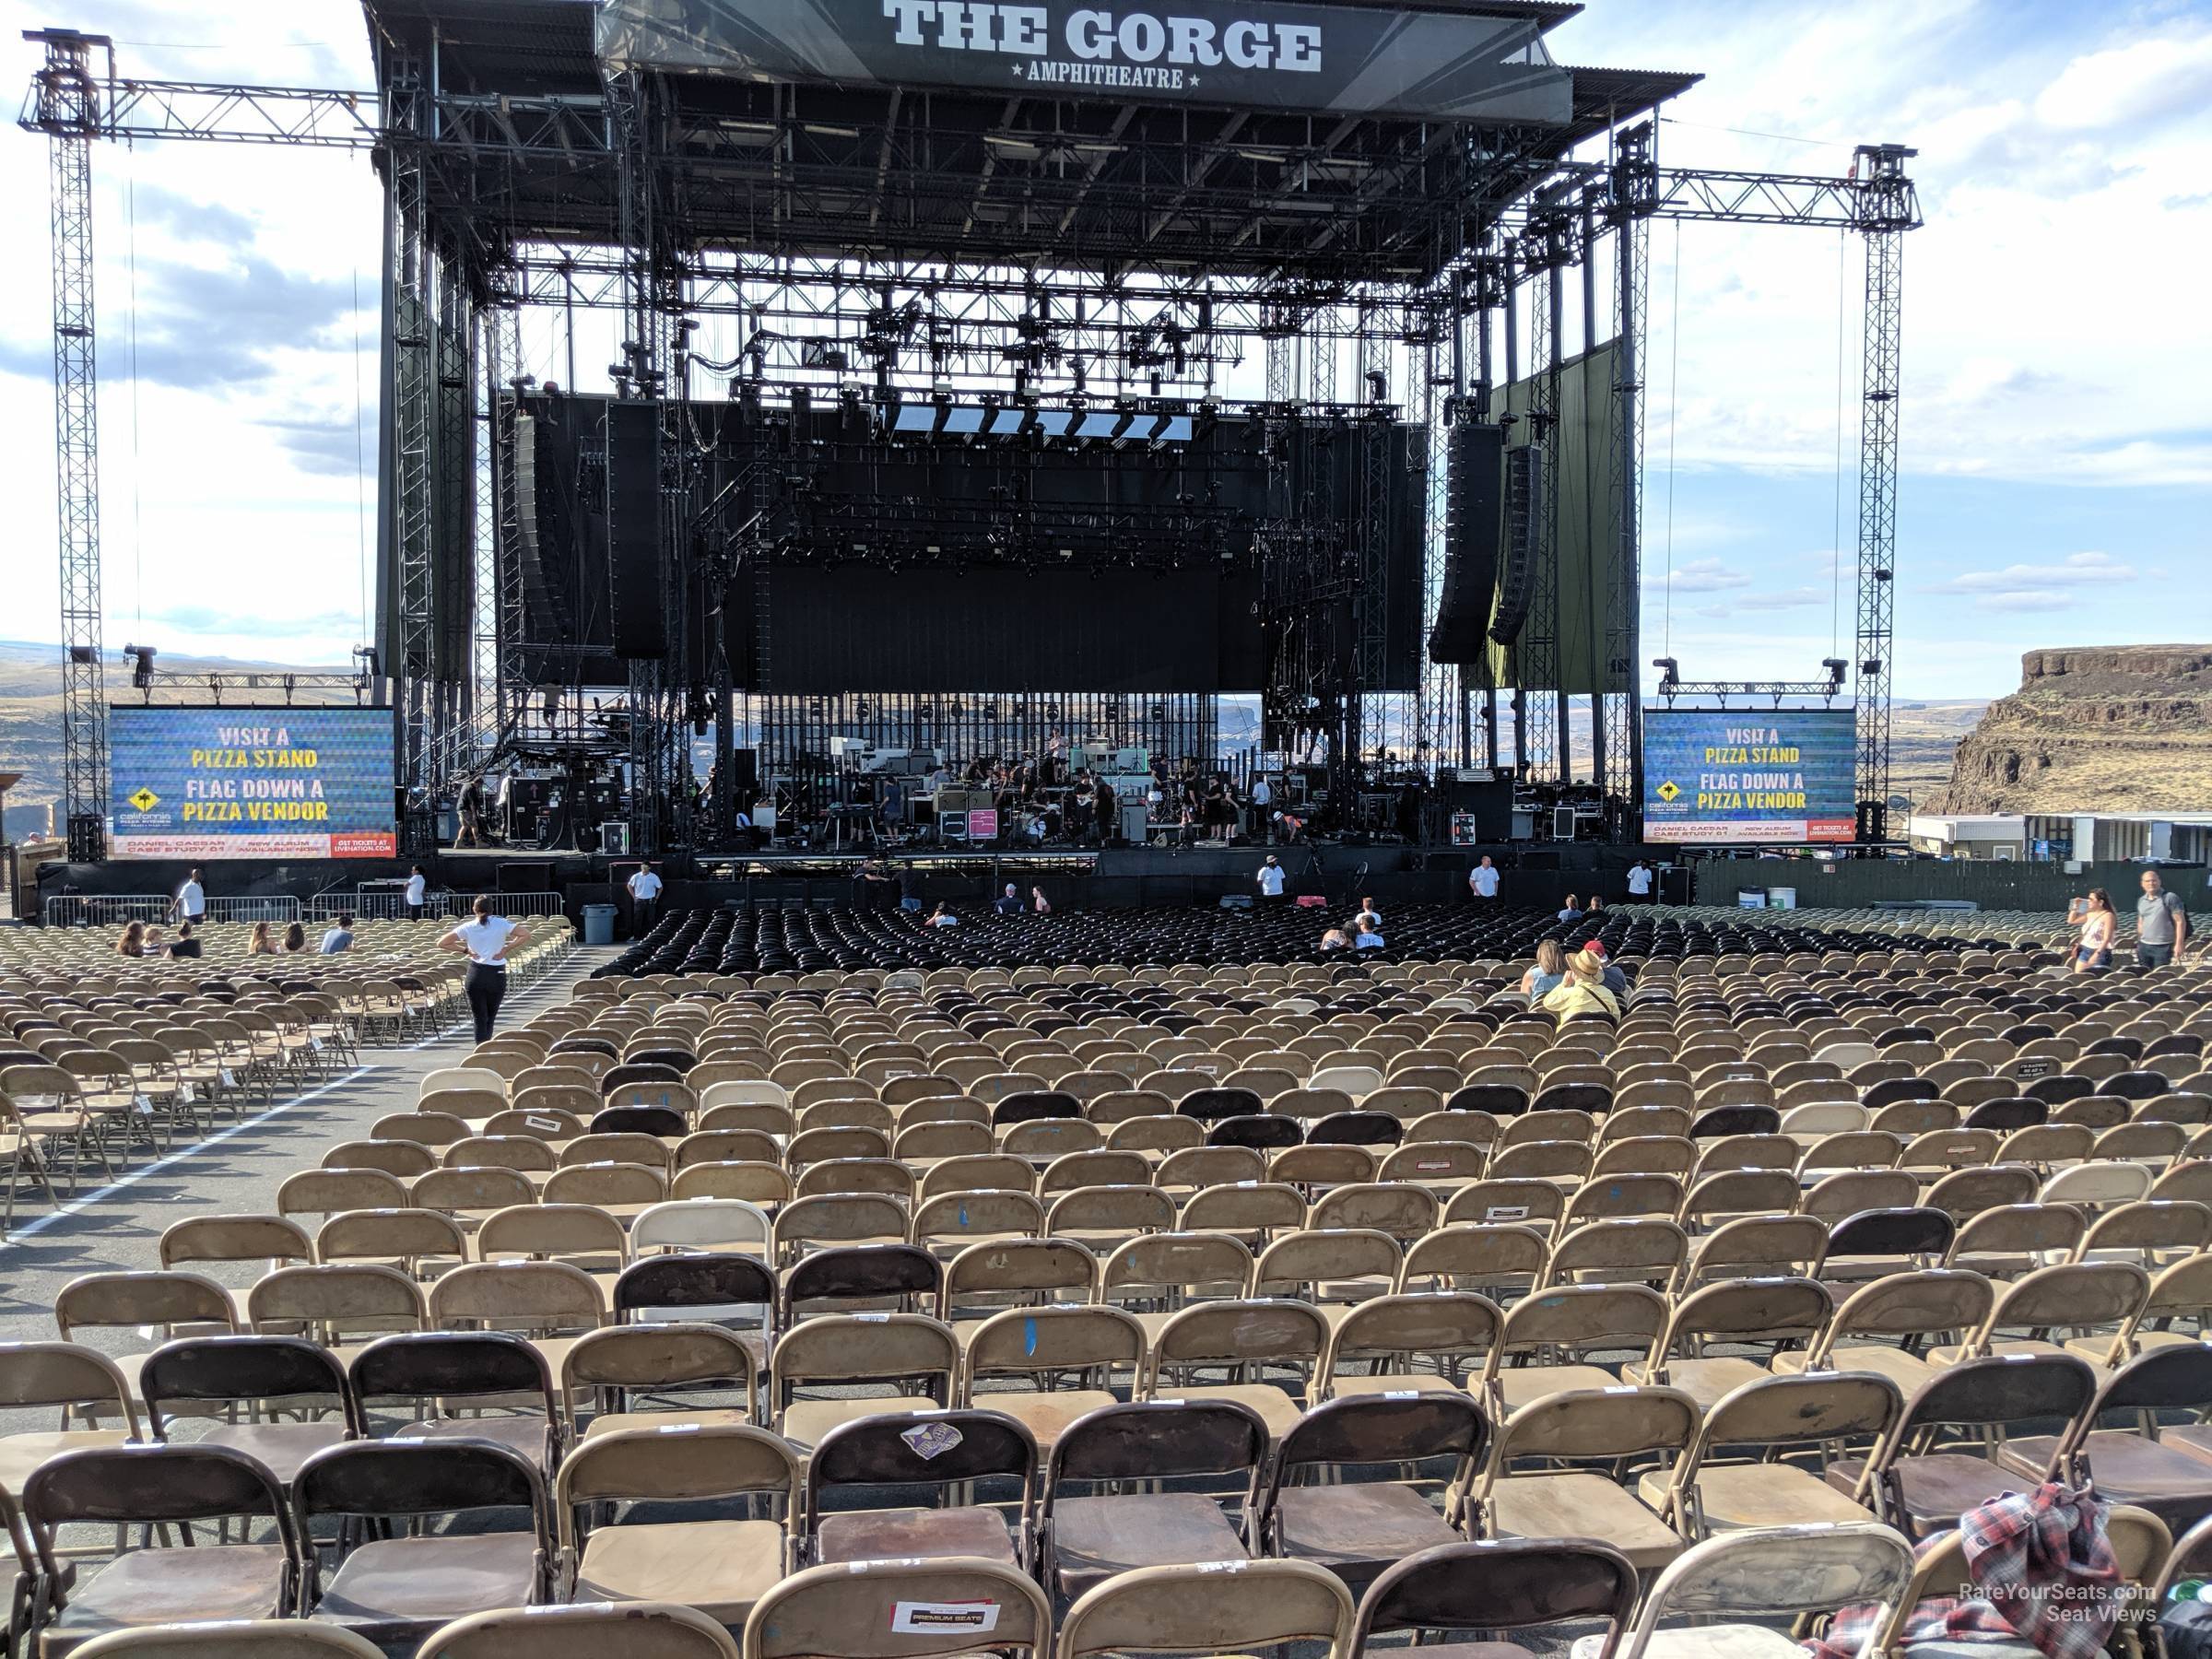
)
(161, 1586)
(1949, 1355)
(1346, 1527)
(1278, 1410)
(1906, 1370)
(397, 1590)
(719, 1567)
(1576, 1505)
(612, 1422)
(283, 1447)
(2172, 1483)
(1704, 1381)
(21, 1453)
(1935, 1489)
(899, 1533)
(530, 1436)
(1094, 1538)
(805, 1421)
(1045, 1413)
(1743, 1495)
(1706, 1641)
(1519, 1384)
(1397, 1383)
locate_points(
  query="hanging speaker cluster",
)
(1471, 530)
(1516, 581)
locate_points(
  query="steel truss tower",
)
(66, 105)
(1889, 206)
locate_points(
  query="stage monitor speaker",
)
(1472, 531)
(1516, 579)
(633, 529)
(1562, 823)
(745, 768)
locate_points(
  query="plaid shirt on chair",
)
(2046, 1573)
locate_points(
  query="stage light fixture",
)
(1837, 668)
(142, 665)
(1670, 673)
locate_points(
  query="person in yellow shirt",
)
(1582, 991)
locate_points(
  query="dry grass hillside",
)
(2118, 728)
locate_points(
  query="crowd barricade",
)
(267, 907)
(102, 909)
(510, 904)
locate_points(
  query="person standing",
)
(644, 899)
(191, 902)
(2099, 925)
(1108, 832)
(910, 888)
(1270, 879)
(2161, 924)
(1261, 798)
(484, 939)
(1639, 882)
(419, 893)
(1482, 880)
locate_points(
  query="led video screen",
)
(1716, 778)
(215, 783)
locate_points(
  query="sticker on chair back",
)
(1506, 1212)
(925, 1619)
(931, 1441)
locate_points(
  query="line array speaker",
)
(1524, 478)
(1472, 528)
(633, 529)
(541, 598)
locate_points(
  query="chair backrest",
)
(150, 1484)
(450, 1365)
(1501, 1584)
(253, 1639)
(922, 1449)
(583, 1631)
(65, 1373)
(1379, 1428)
(1775, 1571)
(699, 1224)
(863, 1272)
(1211, 1607)
(218, 1370)
(407, 1478)
(701, 1279)
(1152, 1439)
(900, 1609)
(661, 1354)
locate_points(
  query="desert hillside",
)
(2118, 728)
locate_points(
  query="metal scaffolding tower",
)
(66, 107)
(1887, 207)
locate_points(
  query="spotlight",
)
(1670, 673)
(142, 665)
(1837, 668)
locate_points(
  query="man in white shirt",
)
(1261, 799)
(645, 899)
(1369, 916)
(1639, 882)
(191, 902)
(419, 888)
(1271, 880)
(1482, 880)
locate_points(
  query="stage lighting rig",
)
(142, 666)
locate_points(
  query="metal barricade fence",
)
(378, 904)
(268, 907)
(507, 904)
(102, 909)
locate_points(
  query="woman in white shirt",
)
(486, 939)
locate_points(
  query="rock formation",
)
(2123, 728)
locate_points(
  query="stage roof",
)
(773, 156)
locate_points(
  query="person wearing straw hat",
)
(1582, 991)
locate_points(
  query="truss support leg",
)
(1886, 210)
(68, 108)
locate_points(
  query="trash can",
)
(598, 924)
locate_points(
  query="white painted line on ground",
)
(78, 1206)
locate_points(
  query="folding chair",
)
(945, 1450)
(398, 1590)
(1585, 1425)
(1494, 1586)
(1771, 1575)
(900, 1610)
(720, 1566)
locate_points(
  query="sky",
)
(2057, 428)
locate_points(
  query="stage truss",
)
(1360, 267)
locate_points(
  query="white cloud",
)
(2076, 570)
(1705, 576)
(2129, 85)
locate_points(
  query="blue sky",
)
(2056, 425)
